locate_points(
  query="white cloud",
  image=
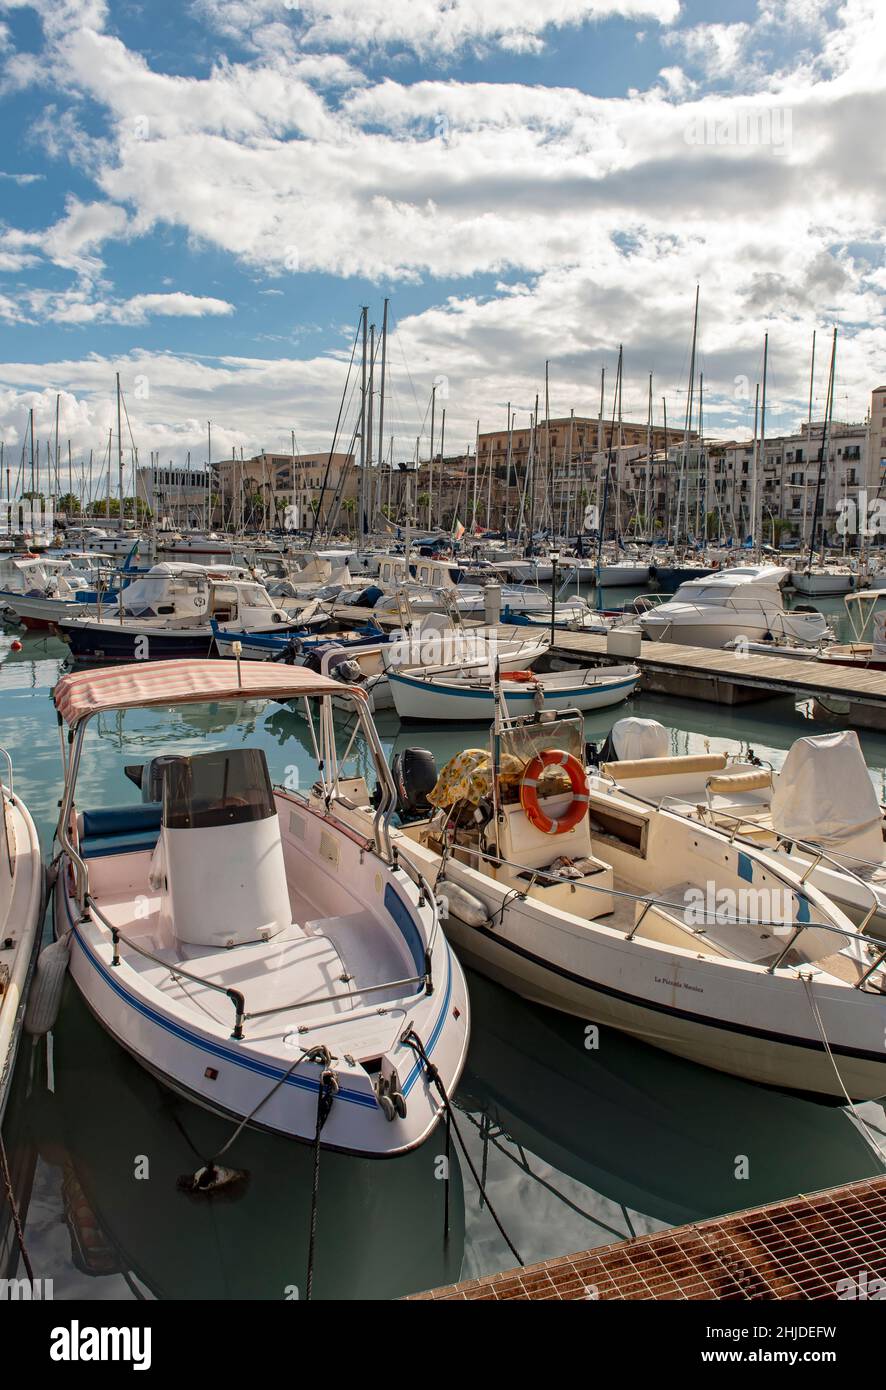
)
(608, 209)
(441, 27)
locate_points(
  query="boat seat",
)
(120, 829)
(662, 767)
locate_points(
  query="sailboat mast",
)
(683, 492)
(808, 445)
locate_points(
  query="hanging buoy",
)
(45, 997)
(15, 645)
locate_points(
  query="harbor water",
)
(580, 1140)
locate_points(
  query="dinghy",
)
(241, 941)
(638, 918)
(21, 919)
(448, 696)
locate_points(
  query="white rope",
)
(807, 983)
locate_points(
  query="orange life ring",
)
(554, 757)
(521, 676)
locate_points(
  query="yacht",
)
(745, 602)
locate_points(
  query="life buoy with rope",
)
(554, 757)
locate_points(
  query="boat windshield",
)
(519, 743)
(228, 787)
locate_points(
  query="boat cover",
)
(84, 693)
(824, 794)
(639, 738)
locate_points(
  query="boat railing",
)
(818, 852)
(876, 948)
(242, 1014)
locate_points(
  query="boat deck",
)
(806, 1248)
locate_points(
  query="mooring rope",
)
(16, 1215)
(813, 1004)
(325, 1096)
(411, 1039)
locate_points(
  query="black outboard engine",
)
(415, 774)
(606, 752)
(149, 776)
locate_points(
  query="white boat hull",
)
(417, 698)
(197, 1055)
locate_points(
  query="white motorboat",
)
(822, 580)
(819, 814)
(636, 917)
(742, 602)
(165, 631)
(240, 941)
(462, 695)
(21, 920)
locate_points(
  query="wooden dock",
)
(851, 694)
(846, 694)
(831, 1245)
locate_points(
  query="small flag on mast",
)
(458, 530)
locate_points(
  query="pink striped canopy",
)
(83, 693)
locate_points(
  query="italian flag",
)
(458, 530)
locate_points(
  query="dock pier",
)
(822, 1246)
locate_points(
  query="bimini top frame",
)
(81, 695)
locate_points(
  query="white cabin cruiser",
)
(172, 624)
(819, 814)
(21, 919)
(635, 917)
(742, 602)
(241, 941)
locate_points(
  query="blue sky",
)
(221, 185)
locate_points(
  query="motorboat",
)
(21, 919)
(819, 813)
(867, 623)
(819, 581)
(577, 896)
(745, 601)
(462, 694)
(163, 631)
(240, 940)
(427, 582)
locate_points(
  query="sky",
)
(202, 196)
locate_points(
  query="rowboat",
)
(456, 695)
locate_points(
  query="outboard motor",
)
(348, 671)
(634, 738)
(415, 774)
(149, 776)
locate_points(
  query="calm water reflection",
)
(578, 1146)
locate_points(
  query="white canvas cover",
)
(640, 738)
(879, 643)
(824, 794)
